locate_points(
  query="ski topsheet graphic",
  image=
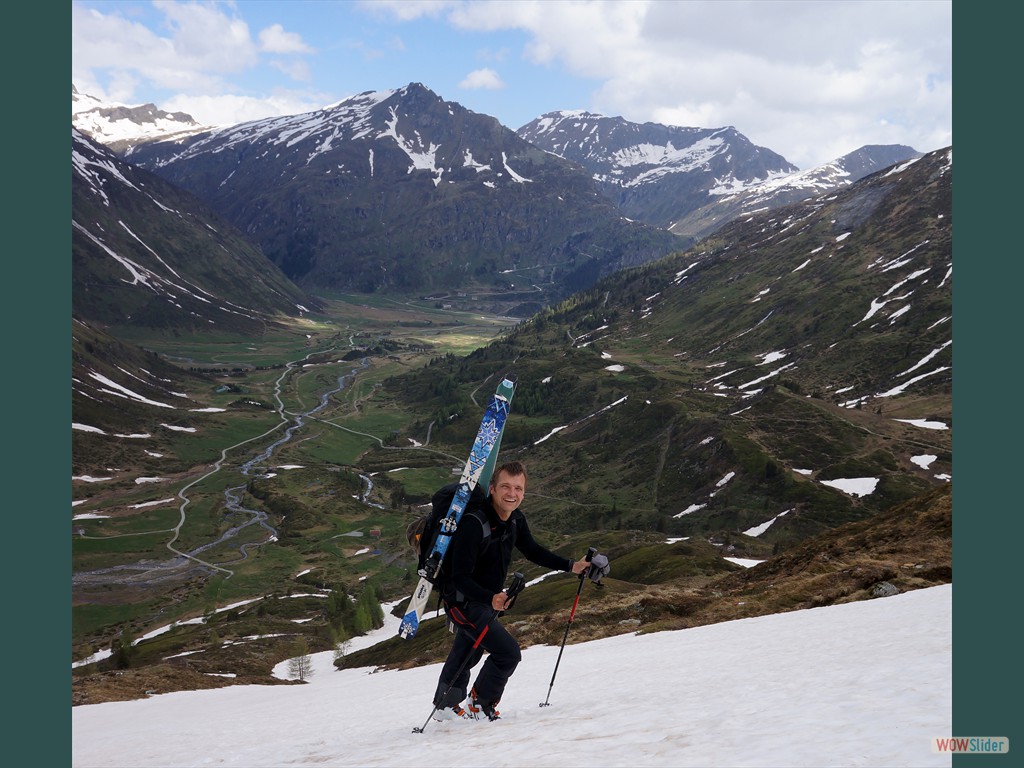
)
(478, 470)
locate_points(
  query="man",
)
(473, 595)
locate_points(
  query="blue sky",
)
(809, 80)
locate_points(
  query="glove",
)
(599, 568)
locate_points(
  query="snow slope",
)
(861, 684)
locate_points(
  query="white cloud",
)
(482, 78)
(205, 38)
(229, 110)
(198, 49)
(812, 81)
(274, 39)
(203, 45)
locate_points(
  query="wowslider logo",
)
(972, 745)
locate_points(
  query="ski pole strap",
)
(517, 586)
(599, 568)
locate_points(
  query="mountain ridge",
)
(686, 181)
(399, 190)
(693, 180)
(147, 253)
(120, 126)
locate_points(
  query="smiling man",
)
(474, 596)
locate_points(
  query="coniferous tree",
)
(369, 614)
(339, 606)
(363, 620)
(373, 603)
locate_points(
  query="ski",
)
(478, 469)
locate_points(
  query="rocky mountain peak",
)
(120, 127)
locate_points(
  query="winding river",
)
(148, 572)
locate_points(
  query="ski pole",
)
(518, 582)
(590, 554)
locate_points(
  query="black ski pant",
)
(472, 620)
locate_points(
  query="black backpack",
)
(422, 531)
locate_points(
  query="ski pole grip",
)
(591, 551)
(517, 585)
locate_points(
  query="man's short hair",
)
(513, 468)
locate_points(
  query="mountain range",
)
(656, 173)
(693, 180)
(401, 191)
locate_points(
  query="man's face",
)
(507, 493)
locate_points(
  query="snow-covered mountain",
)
(146, 252)
(723, 205)
(837, 173)
(401, 190)
(120, 127)
(693, 180)
(655, 172)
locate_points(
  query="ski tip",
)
(410, 623)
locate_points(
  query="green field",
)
(307, 488)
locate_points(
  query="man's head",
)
(507, 488)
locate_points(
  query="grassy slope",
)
(653, 585)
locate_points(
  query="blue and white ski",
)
(479, 468)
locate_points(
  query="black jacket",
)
(479, 563)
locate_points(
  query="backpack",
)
(422, 532)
